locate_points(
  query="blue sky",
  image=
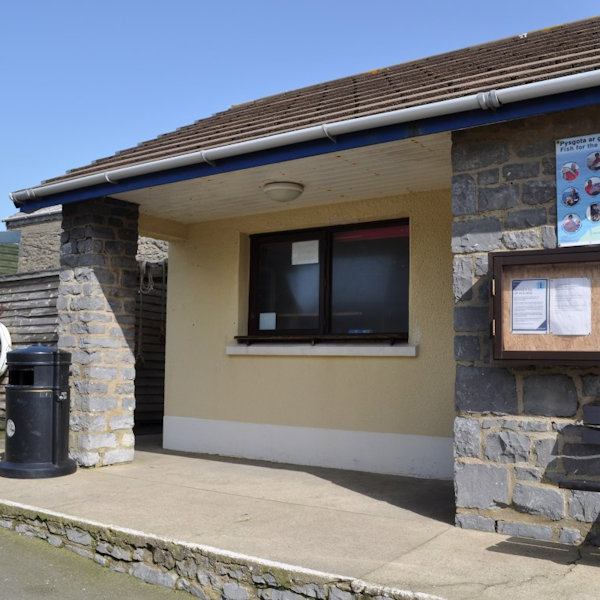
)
(82, 80)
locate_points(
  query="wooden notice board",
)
(545, 306)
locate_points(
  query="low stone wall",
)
(199, 570)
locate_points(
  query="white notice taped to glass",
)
(305, 253)
(267, 320)
(571, 306)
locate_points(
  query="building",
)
(328, 278)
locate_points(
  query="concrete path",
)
(385, 530)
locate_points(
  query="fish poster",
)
(578, 190)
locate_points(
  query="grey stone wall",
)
(96, 307)
(518, 430)
(39, 248)
(151, 250)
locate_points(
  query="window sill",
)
(377, 350)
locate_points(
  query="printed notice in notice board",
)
(529, 306)
(571, 306)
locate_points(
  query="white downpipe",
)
(484, 100)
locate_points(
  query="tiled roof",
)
(545, 54)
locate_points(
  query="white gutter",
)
(484, 100)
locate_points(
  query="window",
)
(336, 283)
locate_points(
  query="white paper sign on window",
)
(305, 253)
(570, 306)
(267, 320)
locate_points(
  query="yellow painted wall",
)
(207, 302)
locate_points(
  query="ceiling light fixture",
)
(283, 191)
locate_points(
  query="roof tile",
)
(545, 54)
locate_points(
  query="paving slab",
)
(386, 530)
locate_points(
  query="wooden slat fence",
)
(28, 309)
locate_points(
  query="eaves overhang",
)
(495, 106)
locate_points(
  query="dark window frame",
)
(325, 237)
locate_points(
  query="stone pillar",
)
(516, 433)
(96, 306)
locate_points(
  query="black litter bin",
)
(37, 414)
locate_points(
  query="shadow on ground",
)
(432, 498)
(562, 554)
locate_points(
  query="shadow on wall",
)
(574, 464)
(571, 462)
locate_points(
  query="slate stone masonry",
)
(518, 431)
(96, 306)
(200, 571)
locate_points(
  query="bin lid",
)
(38, 355)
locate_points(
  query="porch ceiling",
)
(399, 167)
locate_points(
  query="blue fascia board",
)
(379, 135)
